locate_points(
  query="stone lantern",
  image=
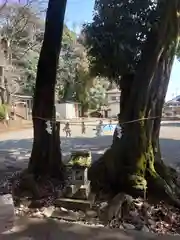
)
(78, 185)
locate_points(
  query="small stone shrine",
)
(78, 185)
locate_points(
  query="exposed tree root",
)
(161, 180)
(158, 188)
(162, 184)
(101, 173)
(24, 183)
(37, 190)
(125, 212)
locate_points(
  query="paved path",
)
(170, 142)
(48, 229)
(15, 147)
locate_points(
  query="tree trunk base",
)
(163, 184)
(46, 159)
(160, 182)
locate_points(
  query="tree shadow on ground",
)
(15, 153)
(19, 149)
(170, 150)
(49, 229)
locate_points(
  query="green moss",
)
(141, 162)
(141, 165)
(141, 116)
(138, 182)
(80, 158)
(150, 158)
(137, 179)
(146, 160)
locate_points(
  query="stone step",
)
(83, 192)
(78, 191)
(73, 204)
(68, 215)
(71, 190)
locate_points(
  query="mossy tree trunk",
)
(129, 165)
(46, 153)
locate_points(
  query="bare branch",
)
(2, 88)
(19, 22)
(3, 5)
(30, 48)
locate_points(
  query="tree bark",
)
(125, 86)
(46, 153)
(129, 165)
(2, 87)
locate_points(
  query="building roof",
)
(115, 90)
(24, 97)
(175, 99)
(68, 101)
(105, 108)
(112, 102)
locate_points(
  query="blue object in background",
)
(108, 129)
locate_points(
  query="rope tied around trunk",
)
(121, 123)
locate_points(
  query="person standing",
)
(99, 128)
(110, 125)
(7, 118)
(13, 110)
(67, 130)
(118, 130)
(83, 127)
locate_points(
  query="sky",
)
(80, 11)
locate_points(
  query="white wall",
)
(61, 109)
(113, 97)
(70, 111)
(114, 109)
(66, 110)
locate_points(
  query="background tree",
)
(97, 93)
(28, 73)
(83, 80)
(118, 20)
(22, 26)
(46, 155)
(21, 32)
(131, 44)
(67, 66)
(74, 81)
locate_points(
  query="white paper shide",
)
(48, 127)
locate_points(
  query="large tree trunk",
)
(129, 165)
(46, 153)
(125, 84)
